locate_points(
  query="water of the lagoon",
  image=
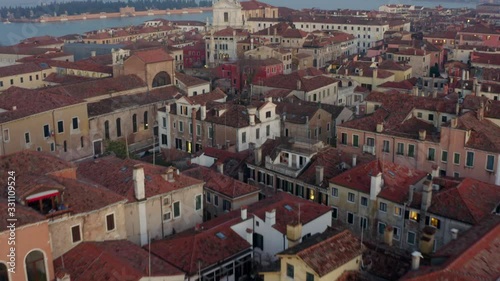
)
(13, 32)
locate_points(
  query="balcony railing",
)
(369, 149)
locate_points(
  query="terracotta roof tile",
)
(65, 79)
(289, 81)
(485, 134)
(216, 94)
(221, 183)
(189, 80)
(327, 251)
(117, 175)
(153, 55)
(113, 261)
(24, 215)
(23, 68)
(396, 179)
(254, 5)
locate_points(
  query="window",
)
(258, 241)
(430, 117)
(60, 126)
(490, 162)
(46, 131)
(198, 129)
(382, 207)
(335, 213)
(431, 154)
(414, 216)
(35, 266)
(216, 200)
(190, 128)
(435, 222)
(209, 197)
(289, 270)
(364, 201)
(167, 216)
(343, 138)
(456, 158)
(134, 123)
(181, 126)
(351, 197)
(381, 227)
(226, 17)
(226, 205)
(74, 123)
(164, 122)
(177, 209)
(411, 150)
(370, 142)
(27, 138)
(118, 127)
(243, 137)
(469, 161)
(410, 238)
(6, 135)
(257, 133)
(309, 276)
(397, 233)
(164, 139)
(65, 146)
(385, 147)
(444, 156)
(397, 211)
(444, 119)
(110, 222)
(106, 129)
(268, 130)
(268, 114)
(76, 235)
(400, 149)
(355, 140)
(4, 273)
(350, 218)
(52, 146)
(363, 223)
(210, 132)
(197, 202)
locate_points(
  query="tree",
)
(434, 71)
(118, 148)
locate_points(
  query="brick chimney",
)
(319, 175)
(138, 175)
(480, 112)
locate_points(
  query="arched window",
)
(161, 79)
(118, 127)
(106, 129)
(35, 266)
(4, 274)
(134, 123)
(146, 124)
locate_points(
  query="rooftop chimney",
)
(457, 109)
(220, 167)
(271, 217)
(415, 260)
(293, 234)
(14, 108)
(426, 195)
(258, 155)
(138, 176)
(354, 160)
(93, 53)
(375, 186)
(169, 175)
(299, 84)
(454, 233)
(388, 235)
(380, 127)
(422, 134)
(252, 111)
(244, 213)
(319, 175)
(434, 93)
(426, 244)
(415, 91)
(454, 122)
(480, 112)
(203, 112)
(251, 43)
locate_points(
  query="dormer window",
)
(45, 202)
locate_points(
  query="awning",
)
(41, 195)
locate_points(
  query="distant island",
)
(95, 7)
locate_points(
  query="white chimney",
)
(251, 43)
(203, 112)
(319, 175)
(258, 156)
(354, 160)
(415, 260)
(92, 53)
(244, 213)
(138, 175)
(454, 233)
(14, 108)
(252, 111)
(375, 186)
(271, 217)
(220, 167)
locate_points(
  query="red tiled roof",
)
(328, 251)
(396, 179)
(65, 79)
(193, 250)
(485, 58)
(469, 201)
(221, 183)
(116, 175)
(216, 94)
(474, 256)
(23, 68)
(229, 31)
(289, 81)
(485, 134)
(404, 85)
(30, 102)
(24, 215)
(392, 65)
(112, 261)
(254, 5)
(153, 55)
(189, 80)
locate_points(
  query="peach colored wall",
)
(25, 243)
(147, 72)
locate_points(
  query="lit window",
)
(414, 215)
(397, 211)
(435, 222)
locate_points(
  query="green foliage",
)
(97, 6)
(434, 70)
(119, 148)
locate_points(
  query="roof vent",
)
(220, 235)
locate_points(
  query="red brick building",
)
(194, 56)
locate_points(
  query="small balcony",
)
(369, 149)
